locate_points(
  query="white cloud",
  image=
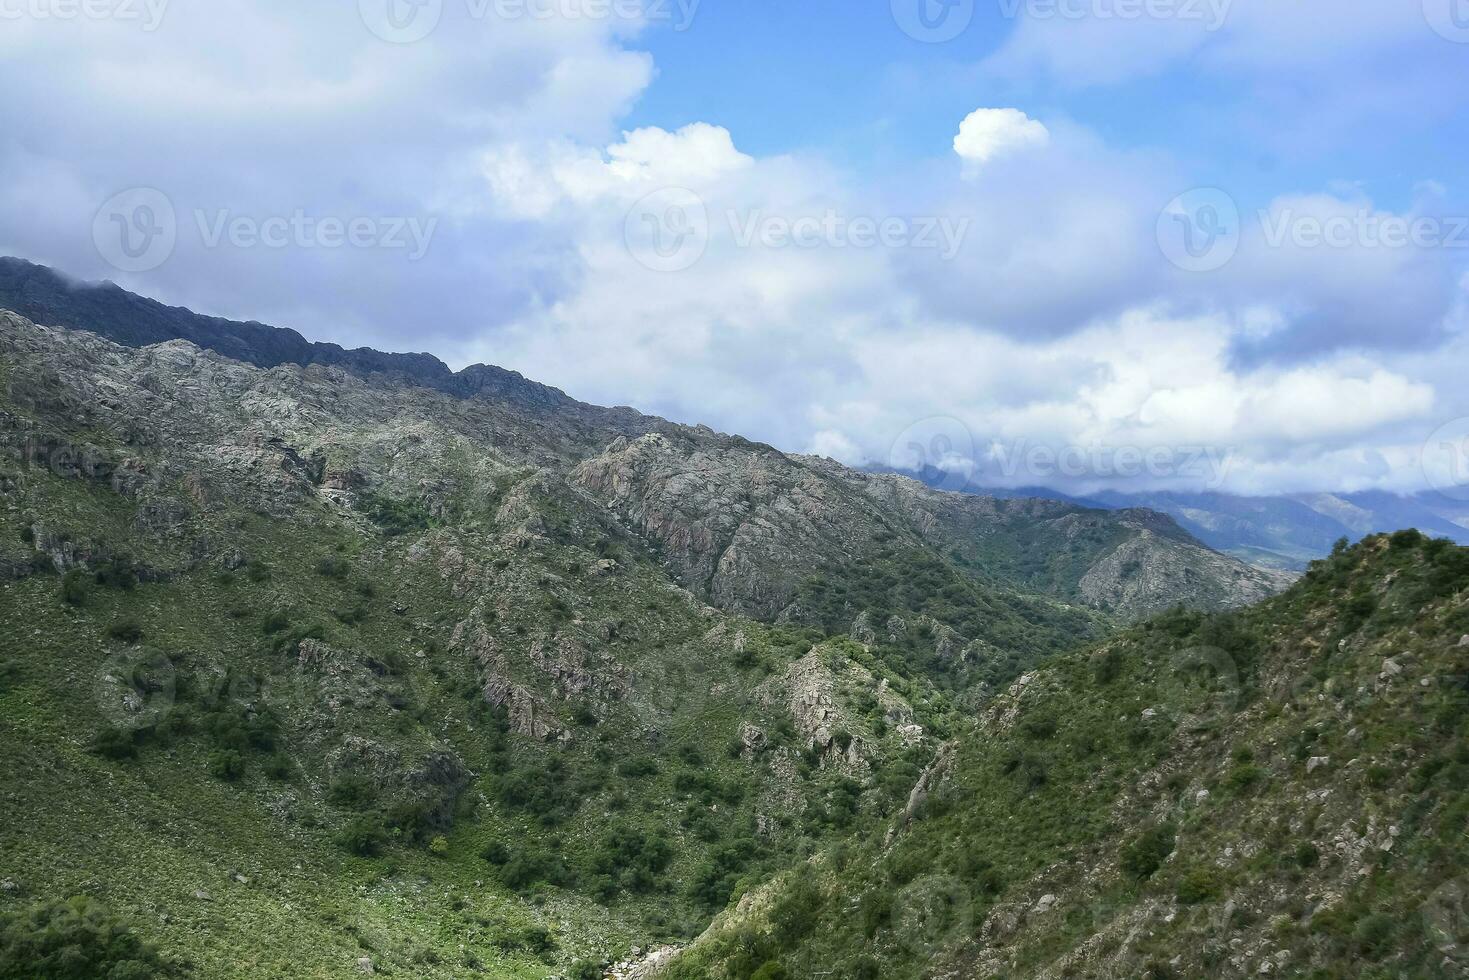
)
(988, 133)
(1058, 322)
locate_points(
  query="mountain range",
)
(329, 663)
(1283, 531)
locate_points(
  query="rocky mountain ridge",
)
(487, 683)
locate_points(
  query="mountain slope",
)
(310, 664)
(1288, 532)
(1280, 791)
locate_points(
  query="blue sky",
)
(1231, 230)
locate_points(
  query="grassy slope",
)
(145, 834)
(1066, 788)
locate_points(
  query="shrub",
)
(1307, 855)
(363, 836)
(438, 847)
(770, 970)
(275, 622)
(76, 588)
(586, 970)
(1106, 664)
(117, 574)
(1374, 934)
(1244, 776)
(115, 743)
(125, 631)
(333, 568)
(495, 853)
(1199, 885)
(1144, 856)
(78, 939)
(351, 790)
(226, 764)
(278, 767)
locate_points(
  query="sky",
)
(1088, 244)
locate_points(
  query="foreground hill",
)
(1282, 791)
(310, 669)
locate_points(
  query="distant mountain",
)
(1290, 531)
(1284, 532)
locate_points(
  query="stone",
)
(1045, 905)
(1316, 762)
(364, 965)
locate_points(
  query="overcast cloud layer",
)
(1039, 298)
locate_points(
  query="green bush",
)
(226, 764)
(78, 939)
(770, 970)
(275, 622)
(115, 743)
(1199, 885)
(1374, 934)
(352, 790)
(1146, 854)
(363, 836)
(76, 588)
(126, 631)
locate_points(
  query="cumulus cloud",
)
(988, 133)
(821, 309)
